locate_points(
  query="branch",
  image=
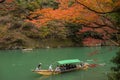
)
(99, 26)
(95, 10)
(1, 1)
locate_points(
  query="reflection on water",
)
(17, 65)
(43, 78)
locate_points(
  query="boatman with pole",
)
(38, 67)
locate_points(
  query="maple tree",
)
(101, 6)
(91, 14)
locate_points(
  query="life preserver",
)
(2, 1)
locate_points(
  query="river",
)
(17, 64)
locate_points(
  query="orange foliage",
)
(100, 5)
(76, 13)
(63, 3)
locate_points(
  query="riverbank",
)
(36, 44)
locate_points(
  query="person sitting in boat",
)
(86, 64)
(38, 67)
(50, 68)
(57, 68)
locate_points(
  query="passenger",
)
(81, 64)
(62, 68)
(70, 66)
(57, 68)
(66, 66)
(50, 68)
(78, 66)
(86, 64)
(74, 66)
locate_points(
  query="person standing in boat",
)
(38, 67)
(50, 68)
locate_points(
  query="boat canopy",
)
(69, 61)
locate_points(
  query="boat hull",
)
(48, 72)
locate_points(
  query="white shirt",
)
(50, 68)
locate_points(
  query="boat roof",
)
(69, 61)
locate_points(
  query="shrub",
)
(115, 74)
(28, 26)
(92, 34)
(15, 25)
(74, 29)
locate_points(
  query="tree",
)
(104, 8)
(115, 74)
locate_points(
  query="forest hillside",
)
(59, 23)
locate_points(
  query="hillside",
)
(58, 23)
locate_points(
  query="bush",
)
(5, 19)
(57, 29)
(15, 25)
(92, 34)
(115, 74)
(28, 26)
(19, 42)
(74, 29)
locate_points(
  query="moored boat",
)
(27, 49)
(64, 66)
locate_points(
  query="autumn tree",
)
(104, 9)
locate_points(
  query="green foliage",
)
(15, 25)
(32, 35)
(28, 26)
(37, 4)
(115, 74)
(116, 61)
(74, 29)
(44, 32)
(49, 3)
(115, 17)
(5, 19)
(92, 34)
(70, 3)
(114, 37)
(18, 42)
(114, 0)
(56, 30)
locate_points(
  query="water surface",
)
(17, 64)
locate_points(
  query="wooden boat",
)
(63, 62)
(46, 72)
(27, 49)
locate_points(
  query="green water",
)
(17, 64)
